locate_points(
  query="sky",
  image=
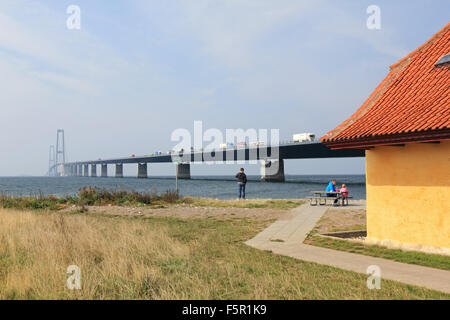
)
(137, 70)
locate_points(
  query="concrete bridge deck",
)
(272, 157)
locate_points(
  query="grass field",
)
(163, 258)
(252, 203)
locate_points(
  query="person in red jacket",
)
(344, 191)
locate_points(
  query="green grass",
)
(165, 258)
(92, 196)
(355, 227)
(411, 257)
(34, 202)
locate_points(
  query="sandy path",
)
(192, 212)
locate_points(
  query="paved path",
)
(286, 237)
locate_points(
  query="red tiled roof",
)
(411, 104)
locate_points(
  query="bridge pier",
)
(272, 170)
(93, 170)
(142, 171)
(183, 170)
(86, 170)
(80, 170)
(119, 170)
(104, 170)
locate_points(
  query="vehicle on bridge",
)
(256, 143)
(226, 145)
(303, 137)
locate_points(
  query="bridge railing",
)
(247, 146)
(234, 147)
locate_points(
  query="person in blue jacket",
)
(331, 188)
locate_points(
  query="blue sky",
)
(137, 70)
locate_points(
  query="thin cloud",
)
(79, 62)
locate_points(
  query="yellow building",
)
(404, 126)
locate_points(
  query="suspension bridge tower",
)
(51, 162)
(60, 153)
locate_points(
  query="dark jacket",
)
(242, 178)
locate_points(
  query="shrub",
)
(96, 196)
(88, 196)
(171, 196)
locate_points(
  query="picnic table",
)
(321, 197)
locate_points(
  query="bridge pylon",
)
(51, 162)
(60, 154)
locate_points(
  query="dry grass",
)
(251, 203)
(115, 256)
(163, 258)
(335, 220)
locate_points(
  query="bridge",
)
(271, 157)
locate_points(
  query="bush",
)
(30, 202)
(89, 196)
(96, 196)
(171, 196)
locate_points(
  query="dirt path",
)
(192, 212)
(336, 219)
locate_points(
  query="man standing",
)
(242, 180)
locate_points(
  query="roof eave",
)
(386, 140)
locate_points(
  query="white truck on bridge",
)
(303, 137)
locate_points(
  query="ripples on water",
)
(222, 187)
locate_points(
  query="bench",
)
(322, 201)
(345, 200)
(321, 197)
